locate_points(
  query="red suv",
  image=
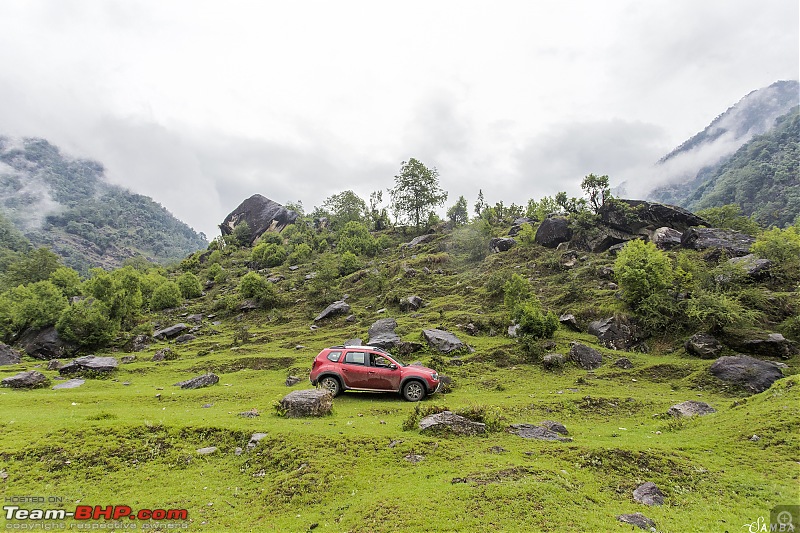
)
(371, 369)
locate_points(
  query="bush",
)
(349, 263)
(356, 238)
(473, 239)
(166, 295)
(300, 254)
(189, 285)
(88, 324)
(532, 320)
(268, 255)
(253, 285)
(716, 311)
(516, 290)
(641, 271)
(782, 247)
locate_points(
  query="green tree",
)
(532, 321)
(268, 255)
(458, 214)
(355, 237)
(641, 271)
(380, 219)
(416, 192)
(35, 265)
(255, 286)
(165, 296)
(301, 253)
(67, 280)
(189, 285)
(480, 204)
(730, 217)
(242, 234)
(87, 323)
(782, 247)
(597, 190)
(345, 207)
(516, 290)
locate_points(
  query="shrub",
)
(641, 271)
(782, 247)
(88, 324)
(717, 310)
(516, 290)
(268, 255)
(189, 285)
(67, 280)
(300, 254)
(253, 285)
(166, 295)
(356, 238)
(349, 263)
(473, 239)
(532, 320)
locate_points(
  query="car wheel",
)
(413, 391)
(331, 384)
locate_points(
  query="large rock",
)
(382, 335)
(261, 215)
(443, 341)
(703, 345)
(501, 244)
(754, 267)
(529, 431)
(170, 332)
(8, 355)
(765, 344)
(89, 363)
(553, 231)
(45, 344)
(422, 239)
(553, 361)
(69, 384)
(617, 333)
(518, 223)
(569, 320)
(586, 357)
(449, 421)
(637, 216)
(731, 243)
(637, 519)
(336, 308)
(26, 380)
(648, 494)
(690, 408)
(666, 238)
(206, 380)
(602, 238)
(412, 303)
(747, 372)
(310, 402)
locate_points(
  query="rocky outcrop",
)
(451, 422)
(8, 355)
(89, 363)
(261, 215)
(26, 380)
(170, 332)
(690, 408)
(443, 341)
(553, 231)
(336, 308)
(754, 268)
(422, 239)
(501, 244)
(617, 333)
(648, 494)
(45, 344)
(666, 238)
(766, 345)
(703, 345)
(518, 223)
(206, 380)
(585, 357)
(411, 303)
(746, 372)
(530, 431)
(731, 243)
(639, 216)
(553, 361)
(382, 335)
(637, 519)
(303, 403)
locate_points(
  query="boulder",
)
(637, 519)
(553, 361)
(139, 343)
(602, 238)
(451, 422)
(336, 308)
(637, 216)
(553, 231)
(8, 356)
(666, 238)
(443, 341)
(648, 494)
(703, 345)
(501, 244)
(291, 381)
(70, 384)
(617, 333)
(382, 335)
(552, 425)
(422, 239)
(206, 380)
(569, 321)
(309, 402)
(261, 215)
(170, 332)
(164, 354)
(731, 243)
(765, 344)
(411, 303)
(89, 363)
(529, 431)
(614, 250)
(585, 357)
(45, 344)
(54, 364)
(517, 227)
(747, 372)
(754, 268)
(26, 380)
(126, 359)
(690, 408)
(624, 363)
(186, 337)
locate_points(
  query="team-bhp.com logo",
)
(97, 512)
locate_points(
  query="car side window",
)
(334, 356)
(380, 361)
(355, 358)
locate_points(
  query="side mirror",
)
(393, 367)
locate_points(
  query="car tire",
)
(413, 391)
(331, 384)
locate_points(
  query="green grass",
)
(109, 442)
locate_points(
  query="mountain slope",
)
(682, 171)
(68, 205)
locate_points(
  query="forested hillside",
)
(68, 206)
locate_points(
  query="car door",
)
(355, 369)
(381, 374)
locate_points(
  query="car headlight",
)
(435, 376)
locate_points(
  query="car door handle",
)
(371, 371)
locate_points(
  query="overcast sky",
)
(200, 104)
